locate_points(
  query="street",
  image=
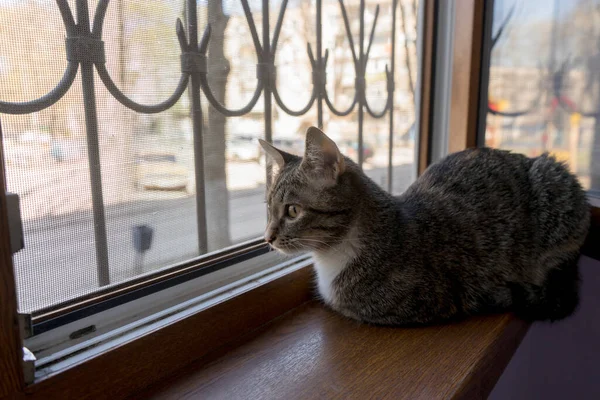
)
(58, 262)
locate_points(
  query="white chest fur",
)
(329, 265)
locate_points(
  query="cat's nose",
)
(270, 236)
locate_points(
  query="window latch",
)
(29, 359)
(15, 225)
(28, 366)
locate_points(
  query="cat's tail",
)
(561, 214)
(556, 299)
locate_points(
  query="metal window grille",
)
(85, 52)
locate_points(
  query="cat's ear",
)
(322, 156)
(280, 157)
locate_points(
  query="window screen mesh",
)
(147, 161)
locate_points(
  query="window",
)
(138, 163)
(182, 216)
(543, 85)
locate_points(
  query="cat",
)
(481, 231)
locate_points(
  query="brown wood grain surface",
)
(123, 371)
(466, 67)
(426, 88)
(11, 373)
(313, 353)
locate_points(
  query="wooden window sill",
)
(312, 352)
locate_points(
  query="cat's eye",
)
(292, 211)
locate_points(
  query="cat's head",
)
(311, 201)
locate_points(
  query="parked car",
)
(409, 135)
(35, 138)
(243, 148)
(160, 171)
(350, 148)
(66, 150)
(290, 145)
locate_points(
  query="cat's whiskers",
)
(356, 239)
(338, 250)
(290, 245)
(310, 245)
(347, 226)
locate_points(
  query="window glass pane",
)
(544, 82)
(103, 206)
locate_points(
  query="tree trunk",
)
(125, 137)
(217, 196)
(116, 123)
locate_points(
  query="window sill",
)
(312, 352)
(138, 363)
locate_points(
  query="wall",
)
(561, 360)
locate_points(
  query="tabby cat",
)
(481, 231)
